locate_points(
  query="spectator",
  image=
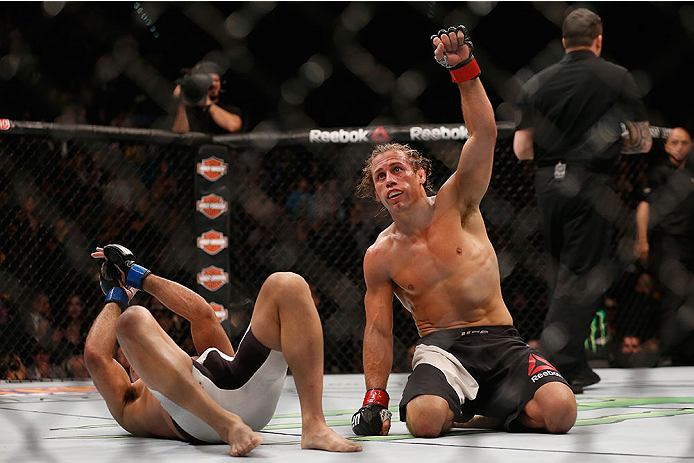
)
(70, 332)
(199, 108)
(13, 342)
(75, 367)
(38, 321)
(665, 226)
(75, 325)
(41, 367)
(571, 125)
(15, 338)
(12, 367)
(300, 199)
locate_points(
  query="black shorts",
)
(482, 370)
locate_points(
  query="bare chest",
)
(442, 261)
(424, 265)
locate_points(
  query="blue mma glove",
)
(124, 260)
(109, 280)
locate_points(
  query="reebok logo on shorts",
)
(539, 368)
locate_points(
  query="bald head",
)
(678, 145)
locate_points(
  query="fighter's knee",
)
(132, 319)
(557, 407)
(564, 414)
(280, 282)
(428, 416)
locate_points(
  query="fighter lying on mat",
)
(217, 397)
(437, 259)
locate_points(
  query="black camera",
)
(194, 85)
(194, 88)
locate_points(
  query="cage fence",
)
(291, 207)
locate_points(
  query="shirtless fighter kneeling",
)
(217, 397)
(437, 259)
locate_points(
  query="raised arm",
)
(110, 378)
(204, 326)
(130, 404)
(181, 124)
(471, 178)
(223, 118)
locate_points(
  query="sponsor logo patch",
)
(212, 242)
(212, 206)
(542, 374)
(213, 278)
(380, 135)
(538, 368)
(338, 136)
(219, 310)
(439, 133)
(212, 168)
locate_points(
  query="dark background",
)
(100, 63)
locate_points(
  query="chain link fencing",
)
(67, 189)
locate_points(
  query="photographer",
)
(199, 108)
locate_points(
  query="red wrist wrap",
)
(378, 396)
(467, 72)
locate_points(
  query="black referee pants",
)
(577, 214)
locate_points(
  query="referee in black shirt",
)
(574, 113)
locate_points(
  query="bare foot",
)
(321, 437)
(242, 439)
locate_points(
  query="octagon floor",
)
(635, 415)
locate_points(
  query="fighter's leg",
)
(164, 367)
(552, 408)
(285, 319)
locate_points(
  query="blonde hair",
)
(366, 187)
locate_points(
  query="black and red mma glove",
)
(369, 419)
(468, 69)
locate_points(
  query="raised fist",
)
(453, 50)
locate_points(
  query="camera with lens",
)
(194, 88)
(196, 83)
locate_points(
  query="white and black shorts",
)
(482, 370)
(248, 385)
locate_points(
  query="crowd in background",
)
(140, 194)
